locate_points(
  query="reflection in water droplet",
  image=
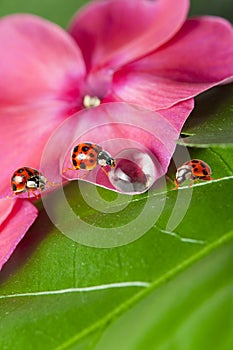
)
(135, 171)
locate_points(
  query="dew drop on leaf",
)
(135, 171)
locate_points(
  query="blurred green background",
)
(60, 11)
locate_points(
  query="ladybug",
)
(29, 180)
(194, 169)
(87, 156)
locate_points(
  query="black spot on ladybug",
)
(91, 155)
(30, 173)
(203, 165)
(91, 161)
(74, 162)
(193, 165)
(195, 161)
(83, 166)
(75, 149)
(196, 170)
(14, 187)
(20, 170)
(205, 172)
(85, 148)
(73, 155)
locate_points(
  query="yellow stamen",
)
(89, 101)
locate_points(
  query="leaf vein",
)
(80, 289)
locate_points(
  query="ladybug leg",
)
(52, 184)
(31, 191)
(105, 171)
(65, 170)
(193, 179)
(37, 196)
(12, 195)
(176, 185)
(172, 181)
(192, 182)
(206, 178)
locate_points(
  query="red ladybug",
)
(29, 180)
(88, 155)
(194, 169)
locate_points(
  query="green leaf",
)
(211, 122)
(181, 314)
(58, 11)
(45, 297)
(215, 8)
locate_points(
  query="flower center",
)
(91, 101)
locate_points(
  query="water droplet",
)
(135, 171)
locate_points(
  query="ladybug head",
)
(111, 162)
(104, 159)
(183, 173)
(37, 182)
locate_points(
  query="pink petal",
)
(116, 32)
(19, 218)
(197, 58)
(24, 132)
(116, 127)
(177, 114)
(5, 209)
(39, 62)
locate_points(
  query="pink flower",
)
(16, 216)
(138, 51)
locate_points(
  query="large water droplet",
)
(135, 171)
